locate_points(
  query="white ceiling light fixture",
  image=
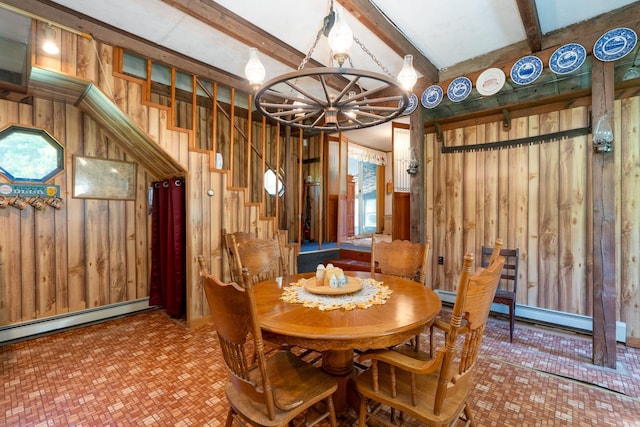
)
(332, 98)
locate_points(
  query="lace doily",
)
(372, 293)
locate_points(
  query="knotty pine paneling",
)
(44, 233)
(572, 214)
(534, 198)
(97, 252)
(528, 268)
(74, 210)
(628, 144)
(517, 200)
(469, 203)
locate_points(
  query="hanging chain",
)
(372, 56)
(325, 24)
(315, 43)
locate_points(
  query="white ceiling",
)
(446, 33)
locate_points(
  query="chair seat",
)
(507, 296)
(426, 386)
(296, 381)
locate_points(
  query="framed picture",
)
(95, 178)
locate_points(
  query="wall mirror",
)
(29, 154)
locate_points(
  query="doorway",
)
(365, 179)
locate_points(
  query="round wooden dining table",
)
(336, 333)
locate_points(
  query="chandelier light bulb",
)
(408, 76)
(340, 37)
(299, 111)
(351, 113)
(49, 45)
(254, 71)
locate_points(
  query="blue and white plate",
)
(567, 58)
(615, 44)
(431, 96)
(526, 70)
(459, 89)
(413, 103)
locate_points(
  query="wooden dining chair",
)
(400, 258)
(434, 391)
(443, 325)
(263, 257)
(240, 237)
(405, 259)
(507, 291)
(262, 389)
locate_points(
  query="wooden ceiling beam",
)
(377, 23)
(233, 25)
(529, 17)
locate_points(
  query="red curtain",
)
(168, 284)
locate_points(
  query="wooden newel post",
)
(417, 187)
(603, 224)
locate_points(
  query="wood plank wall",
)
(535, 198)
(93, 253)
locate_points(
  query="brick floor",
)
(146, 369)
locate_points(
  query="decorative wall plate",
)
(567, 58)
(413, 103)
(526, 70)
(615, 44)
(431, 96)
(490, 81)
(459, 89)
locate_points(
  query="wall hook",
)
(506, 120)
(439, 136)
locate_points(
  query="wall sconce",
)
(602, 135)
(49, 36)
(413, 163)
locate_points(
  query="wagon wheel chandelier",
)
(332, 98)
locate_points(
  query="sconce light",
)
(602, 135)
(49, 36)
(413, 163)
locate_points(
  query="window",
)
(273, 184)
(29, 154)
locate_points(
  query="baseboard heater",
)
(54, 323)
(544, 315)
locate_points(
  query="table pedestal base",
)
(339, 364)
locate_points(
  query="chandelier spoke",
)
(301, 91)
(371, 115)
(345, 91)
